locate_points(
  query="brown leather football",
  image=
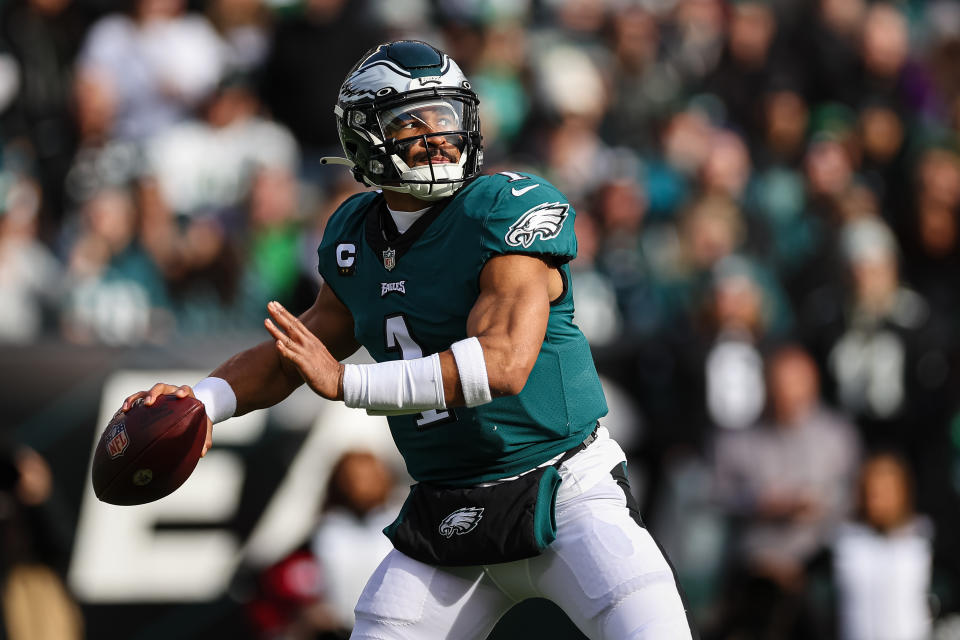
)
(148, 452)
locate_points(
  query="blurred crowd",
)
(767, 196)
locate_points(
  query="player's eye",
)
(398, 125)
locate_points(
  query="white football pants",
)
(604, 570)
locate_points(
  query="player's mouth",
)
(437, 157)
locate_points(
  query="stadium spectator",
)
(571, 94)
(116, 293)
(349, 542)
(747, 65)
(745, 316)
(619, 208)
(683, 255)
(598, 315)
(206, 166)
(155, 64)
(309, 54)
(498, 78)
(34, 601)
(828, 40)
(43, 37)
(871, 335)
(101, 161)
(244, 27)
(887, 70)
(30, 275)
(275, 230)
(883, 558)
(785, 483)
(930, 233)
(642, 85)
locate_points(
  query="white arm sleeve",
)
(409, 385)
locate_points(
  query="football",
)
(149, 451)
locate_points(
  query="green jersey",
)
(410, 297)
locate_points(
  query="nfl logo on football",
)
(118, 441)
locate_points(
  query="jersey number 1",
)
(399, 339)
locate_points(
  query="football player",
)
(458, 285)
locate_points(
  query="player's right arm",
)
(259, 376)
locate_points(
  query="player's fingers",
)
(208, 442)
(129, 400)
(295, 335)
(294, 354)
(277, 312)
(275, 331)
(287, 351)
(184, 391)
(158, 390)
(290, 323)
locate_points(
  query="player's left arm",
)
(509, 319)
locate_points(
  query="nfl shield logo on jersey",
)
(389, 259)
(117, 441)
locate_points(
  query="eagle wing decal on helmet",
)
(461, 521)
(545, 220)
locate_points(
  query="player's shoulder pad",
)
(348, 215)
(527, 214)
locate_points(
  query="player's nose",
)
(437, 141)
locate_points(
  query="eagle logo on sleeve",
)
(544, 220)
(461, 521)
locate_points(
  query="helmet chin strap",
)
(426, 191)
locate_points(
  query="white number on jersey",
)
(398, 337)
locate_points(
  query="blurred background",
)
(767, 196)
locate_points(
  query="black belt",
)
(580, 447)
(590, 438)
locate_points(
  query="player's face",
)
(419, 124)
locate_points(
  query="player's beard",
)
(431, 157)
(449, 152)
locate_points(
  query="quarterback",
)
(458, 285)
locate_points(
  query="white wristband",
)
(217, 397)
(412, 385)
(473, 371)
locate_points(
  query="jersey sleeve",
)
(338, 247)
(528, 215)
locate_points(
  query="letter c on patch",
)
(346, 256)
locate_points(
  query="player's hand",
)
(320, 370)
(161, 389)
